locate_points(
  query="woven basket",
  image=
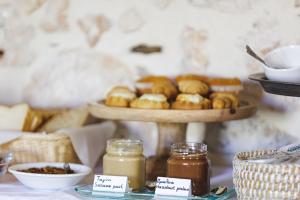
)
(265, 181)
(55, 147)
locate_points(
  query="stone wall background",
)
(63, 53)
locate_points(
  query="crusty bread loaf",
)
(73, 118)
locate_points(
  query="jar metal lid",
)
(124, 146)
(189, 148)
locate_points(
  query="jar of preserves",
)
(189, 161)
(125, 157)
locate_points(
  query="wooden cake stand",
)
(171, 125)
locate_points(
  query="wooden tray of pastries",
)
(189, 98)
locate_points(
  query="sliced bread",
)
(18, 118)
(73, 118)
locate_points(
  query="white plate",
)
(49, 181)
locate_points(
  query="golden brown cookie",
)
(233, 85)
(225, 97)
(151, 101)
(167, 89)
(144, 85)
(120, 96)
(191, 102)
(193, 87)
(191, 77)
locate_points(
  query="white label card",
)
(173, 187)
(105, 183)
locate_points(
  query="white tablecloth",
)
(11, 189)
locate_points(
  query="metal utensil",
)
(254, 55)
(284, 154)
(67, 168)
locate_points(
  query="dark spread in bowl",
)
(48, 170)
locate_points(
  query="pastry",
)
(221, 100)
(152, 79)
(221, 103)
(233, 85)
(165, 88)
(193, 87)
(144, 85)
(191, 101)
(151, 101)
(192, 77)
(120, 96)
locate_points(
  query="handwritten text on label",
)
(105, 183)
(173, 186)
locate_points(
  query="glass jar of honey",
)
(125, 158)
(189, 161)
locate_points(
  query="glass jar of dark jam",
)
(189, 161)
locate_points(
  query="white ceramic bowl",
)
(283, 64)
(49, 181)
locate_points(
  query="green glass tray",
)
(86, 191)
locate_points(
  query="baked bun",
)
(193, 87)
(191, 77)
(233, 85)
(191, 102)
(165, 88)
(120, 96)
(223, 100)
(151, 79)
(151, 101)
(144, 85)
(221, 103)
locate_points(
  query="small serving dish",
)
(49, 181)
(276, 87)
(5, 158)
(283, 64)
